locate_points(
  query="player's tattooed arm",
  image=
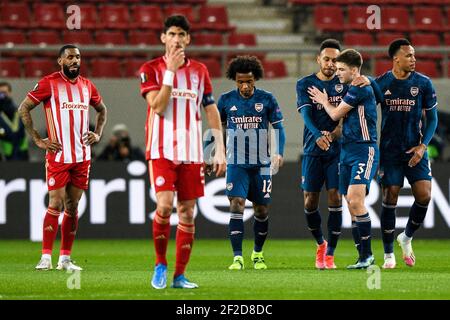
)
(100, 121)
(25, 114)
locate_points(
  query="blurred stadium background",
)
(116, 37)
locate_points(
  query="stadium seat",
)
(428, 18)
(89, 16)
(193, 2)
(328, 18)
(447, 39)
(395, 18)
(213, 66)
(214, 18)
(426, 40)
(207, 39)
(428, 68)
(14, 15)
(274, 69)
(114, 16)
(79, 37)
(357, 18)
(12, 37)
(49, 15)
(110, 38)
(385, 38)
(147, 17)
(185, 10)
(132, 67)
(242, 40)
(381, 66)
(447, 13)
(358, 39)
(106, 68)
(44, 37)
(9, 68)
(39, 67)
(137, 38)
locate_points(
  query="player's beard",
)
(329, 73)
(71, 74)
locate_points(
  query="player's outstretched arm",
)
(214, 123)
(335, 113)
(321, 137)
(25, 114)
(100, 121)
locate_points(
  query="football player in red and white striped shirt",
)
(66, 97)
(176, 88)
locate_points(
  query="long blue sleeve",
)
(432, 122)
(281, 138)
(376, 90)
(306, 112)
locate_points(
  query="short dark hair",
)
(350, 57)
(396, 44)
(177, 21)
(330, 43)
(66, 46)
(6, 84)
(245, 64)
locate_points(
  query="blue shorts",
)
(394, 173)
(248, 183)
(317, 170)
(358, 165)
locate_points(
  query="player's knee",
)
(424, 198)
(390, 196)
(56, 203)
(261, 212)
(311, 201)
(355, 204)
(237, 205)
(71, 206)
(334, 198)
(164, 210)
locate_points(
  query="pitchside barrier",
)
(120, 204)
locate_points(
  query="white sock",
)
(388, 255)
(63, 258)
(406, 238)
(46, 256)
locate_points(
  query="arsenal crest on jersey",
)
(339, 87)
(414, 91)
(259, 107)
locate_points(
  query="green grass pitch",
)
(120, 269)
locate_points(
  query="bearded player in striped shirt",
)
(66, 97)
(175, 88)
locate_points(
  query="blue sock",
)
(260, 228)
(364, 226)
(314, 220)
(387, 220)
(236, 232)
(356, 237)
(416, 216)
(334, 228)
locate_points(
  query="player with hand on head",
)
(66, 97)
(359, 151)
(407, 96)
(247, 112)
(175, 89)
